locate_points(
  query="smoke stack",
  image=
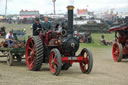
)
(70, 19)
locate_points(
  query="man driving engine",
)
(36, 27)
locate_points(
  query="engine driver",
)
(36, 27)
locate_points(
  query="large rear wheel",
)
(34, 53)
(87, 63)
(117, 52)
(55, 62)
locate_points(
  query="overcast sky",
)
(46, 6)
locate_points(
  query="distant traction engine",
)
(120, 46)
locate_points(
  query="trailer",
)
(11, 54)
(14, 52)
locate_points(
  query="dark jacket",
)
(47, 26)
(35, 26)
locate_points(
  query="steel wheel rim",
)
(30, 53)
(115, 51)
(84, 65)
(53, 62)
(8, 59)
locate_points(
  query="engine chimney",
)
(70, 20)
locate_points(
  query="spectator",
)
(10, 39)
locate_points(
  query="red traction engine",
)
(120, 46)
(57, 49)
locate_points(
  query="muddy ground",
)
(105, 72)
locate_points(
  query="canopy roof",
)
(119, 27)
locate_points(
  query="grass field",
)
(96, 38)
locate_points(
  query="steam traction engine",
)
(120, 46)
(57, 49)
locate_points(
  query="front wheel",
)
(55, 62)
(87, 63)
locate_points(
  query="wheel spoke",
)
(29, 58)
(34, 52)
(55, 62)
(115, 47)
(32, 62)
(8, 58)
(117, 50)
(83, 66)
(54, 68)
(29, 48)
(86, 60)
(32, 43)
(55, 57)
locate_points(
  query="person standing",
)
(46, 25)
(36, 27)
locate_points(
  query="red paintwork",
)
(84, 64)
(82, 11)
(30, 54)
(125, 50)
(66, 59)
(82, 38)
(53, 62)
(80, 59)
(28, 16)
(41, 35)
(121, 27)
(122, 39)
(47, 37)
(115, 51)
